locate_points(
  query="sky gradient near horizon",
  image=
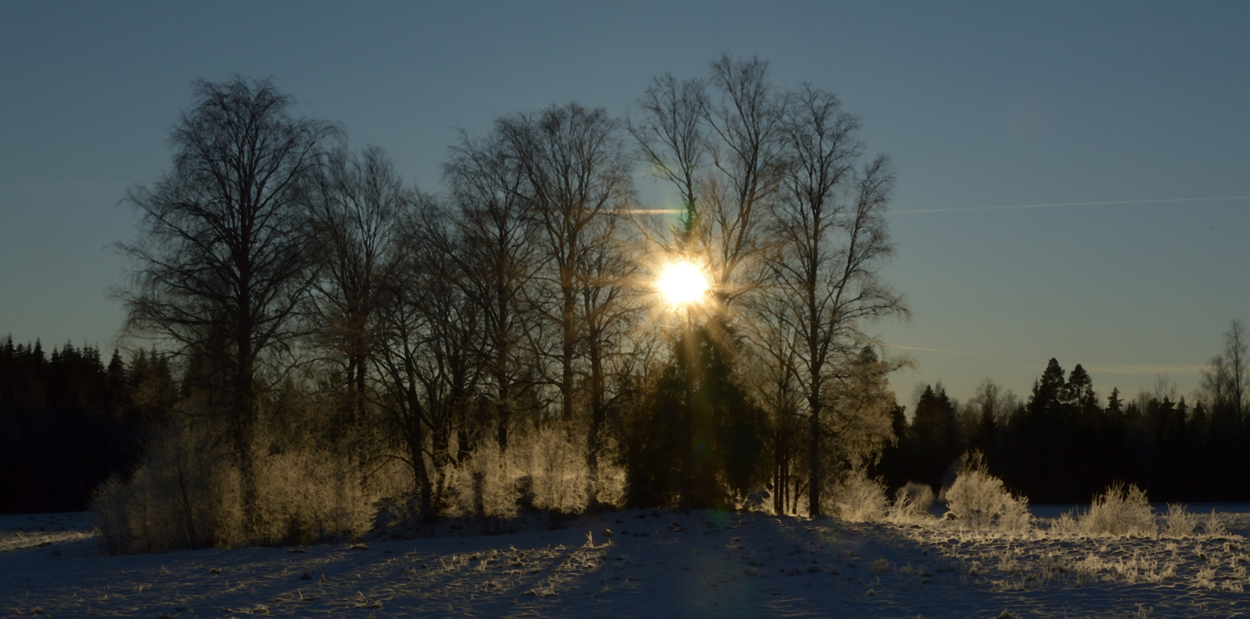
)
(1073, 178)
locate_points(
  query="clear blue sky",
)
(980, 105)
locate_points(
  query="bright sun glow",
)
(681, 283)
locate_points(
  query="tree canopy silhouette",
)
(222, 261)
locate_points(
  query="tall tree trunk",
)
(597, 414)
(780, 477)
(567, 348)
(503, 350)
(244, 433)
(414, 433)
(813, 456)
(691, 368)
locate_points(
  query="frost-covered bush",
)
(301, 498)
(482, 485)
(1066, 524)
(187, 493)
(1120, 512)
(1212, 526)
(172, 500)
(857, 498)
(1178, 522)
(609, 482)
(310, 495)
(911, 502)
(108, 508)
(556, 467)
(543, 468)
(979, 499)
(1015, 517)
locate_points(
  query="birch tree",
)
(223, 247)
(831, 238)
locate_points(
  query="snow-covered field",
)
(639, 563)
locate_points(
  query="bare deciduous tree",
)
(357, 206)
(988, 410)
(749, 156)
(428, 361)
(575, 175)
(1225, 383)
(831, 237)
(610, 300)
(498, 260)
(671, 140)
(725, 156)
(223, 246)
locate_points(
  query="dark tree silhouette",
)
(498, 260)
(357, 205)
(575, 177)
(67, 423)
(933, 436)
(1225, 385)
(430, 329)
(825, 253)
(223, 245)
(700, 427)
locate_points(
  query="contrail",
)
(1020, 206)
(667, 211)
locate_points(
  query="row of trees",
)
(67, 421)
(1063, 443)
(320, 312)
(273, 258)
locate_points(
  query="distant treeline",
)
(1065, 443)
(67, 421)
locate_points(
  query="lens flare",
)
(681, 283)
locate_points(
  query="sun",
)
(681, 283)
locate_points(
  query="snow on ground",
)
(637, 563)
(19, 531)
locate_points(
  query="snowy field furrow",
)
(640, 564)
